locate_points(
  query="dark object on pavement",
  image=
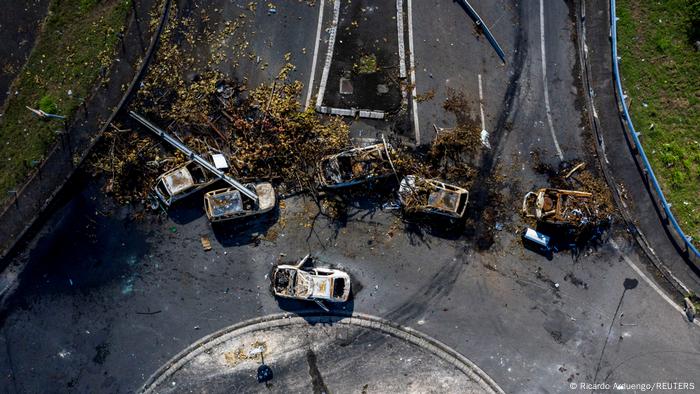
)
(181, 182)
(355, 166)
(315, 284)
(560, 207)
(432, 196)
(227, 204)
(264, 373)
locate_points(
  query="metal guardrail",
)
(194, 157)
(635, 136)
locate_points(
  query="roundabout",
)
(319, 353)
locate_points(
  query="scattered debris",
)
(560, 207)
(43, 114)
(64, 354)
(536, 238)
(575, 211)
(577, 167)
(391, 206)
(206, 243)
(690, 309)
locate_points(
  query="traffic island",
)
(319, 353)
(364, 76)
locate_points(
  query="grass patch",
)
(367, 65)
(661, 75)
(73, 53)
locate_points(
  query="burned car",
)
(228, 204)
(431, 196)
(310, 283)
(355, 166)
(560, 207)
(182, 181)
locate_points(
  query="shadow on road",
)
(246, 230)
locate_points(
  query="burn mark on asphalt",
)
(576, 281)
(317, 383)
(546, 279)
(438, 286)
(101, 353)
(483, 189)
(560, 327)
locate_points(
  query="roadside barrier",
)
(635, 137)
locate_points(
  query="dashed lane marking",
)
(484, 133)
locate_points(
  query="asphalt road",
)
(108, 297)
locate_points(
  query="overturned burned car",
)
(310, 283)
(561, 207)
(228, 204)
(355, 166)
(182, 182)
(431, 196)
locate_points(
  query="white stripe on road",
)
(412, 64)
(402, 49)
(329, 54)
(649, 281)
(484, 133)
(310, 87)
(481, 105)
(544, 78)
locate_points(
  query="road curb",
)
(313, 317)
(639, 237)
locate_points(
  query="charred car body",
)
(182, 182)
(355, 166)
(431, 196)
(310, 283)
(228, 204)
(561, 207)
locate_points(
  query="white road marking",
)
(329, 54)
(650, 282)
(412, 64)
(544, 79)
(310, 87)
(484, 133)
(481, 104)
(399, 29)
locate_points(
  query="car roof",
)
(178, 180)
(321, 286)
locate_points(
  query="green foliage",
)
(367, 65)
(661, 74)
(75, 43)
(48, 105)
(87, 5)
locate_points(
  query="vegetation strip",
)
(73, 53)
(660, 67)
